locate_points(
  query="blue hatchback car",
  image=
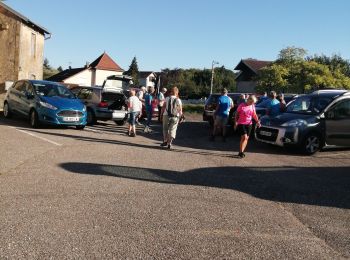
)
(45, 102)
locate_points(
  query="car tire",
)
(7, 110)
(120, 122)
(312, 143)
(34, 119)
(80, 127)
(91, 118)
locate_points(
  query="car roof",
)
(44, 82)
(328, 93)
(88, 87)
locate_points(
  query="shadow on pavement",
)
(327, 186)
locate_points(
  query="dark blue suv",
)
(45, 102)
(311, 122)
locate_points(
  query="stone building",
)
(21, 46)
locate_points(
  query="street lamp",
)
(212, 75)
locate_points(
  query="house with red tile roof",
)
(91, 74)
(249, 69)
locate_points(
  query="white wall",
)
(90, 77)
(83, 78)
(101, 75)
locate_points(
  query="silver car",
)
(102, 104)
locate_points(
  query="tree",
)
(273, 77)
(335, 62)
(291, 54)
(48, 71)
(133, 71)
(292, 73)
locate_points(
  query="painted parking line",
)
(36, 136)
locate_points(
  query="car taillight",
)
(103, 104)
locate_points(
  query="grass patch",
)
(193, 108)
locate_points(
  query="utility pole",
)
(212, 75)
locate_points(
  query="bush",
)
(193, 108)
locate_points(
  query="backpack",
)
(171, 107)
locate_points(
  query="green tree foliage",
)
(133, 71)
(195, 83)
(48, 71)
(273, 77)
(334, 62)
(294, 73)
(291, 54)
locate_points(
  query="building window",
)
(33, 45)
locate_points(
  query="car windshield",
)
(52, 90)
(308, 104)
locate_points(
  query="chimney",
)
(70, 67)
(87, 64)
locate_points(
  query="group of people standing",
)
(245, 114)
(169, 111)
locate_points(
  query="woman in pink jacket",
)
(244, 121)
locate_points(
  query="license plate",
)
(118, 114)
(265, 133)
(71, 119)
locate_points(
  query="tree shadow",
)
(321, 186)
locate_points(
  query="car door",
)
(338, 123)
(14, 97)
(27, 99)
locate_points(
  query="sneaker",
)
(169, 146)
(164, 144)
(146, 129)
(133, 135)
(241, 155)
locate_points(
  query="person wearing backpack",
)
(171, 113)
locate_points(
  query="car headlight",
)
(47, 105)
(295, 123)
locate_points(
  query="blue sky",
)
(187, 33)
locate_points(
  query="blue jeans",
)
(149, 117)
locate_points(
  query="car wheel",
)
(91, 119)
(34, 119)
(80, 127)
(7, 111)
(312, 143)
(120, 122)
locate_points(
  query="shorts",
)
(221, 121)
(244, 129)
(170, 126)
(132, 117)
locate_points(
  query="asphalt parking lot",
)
(98, 193)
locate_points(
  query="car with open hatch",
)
(44, 102)
(102, 104)
(311, 122)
